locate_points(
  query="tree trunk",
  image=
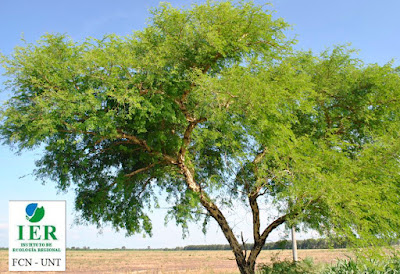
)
(245, 265)
(246, 269)
(214, 211)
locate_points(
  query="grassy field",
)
(149, 261)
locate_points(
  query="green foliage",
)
(94, 105)
(315, 135)
(383, 266)
(305, 266)
(386, 265)
(344, 266)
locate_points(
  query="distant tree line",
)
(85, 247)
(283, 244)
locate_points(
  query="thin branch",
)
(258, 245)
(184, 110)
(140, 170)
(134, 139)
(77, 131)
(206, 213)
(187, 137)
(182, 101)
(256, 161)
(100, 140)
(272, 226)
(244, 245)
(262, 193)
(112, 184)
(144, 145)
(231, 95)
(144, 186)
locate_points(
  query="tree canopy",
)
(211, 105)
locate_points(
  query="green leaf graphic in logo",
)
(34, 213)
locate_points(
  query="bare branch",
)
(272, 226)
(262, 193)
(244, 245)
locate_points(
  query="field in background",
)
(151, 261)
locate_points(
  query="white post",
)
(294, 245)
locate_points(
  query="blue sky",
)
(371, 26)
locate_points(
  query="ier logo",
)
(34, 213)
(37, 235)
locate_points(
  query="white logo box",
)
(37, 234)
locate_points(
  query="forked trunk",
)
(246, 268)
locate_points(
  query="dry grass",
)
(149, 261)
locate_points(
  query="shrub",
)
(289, 267)
(389, 265)
(372, 266)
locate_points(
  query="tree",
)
(211, 105)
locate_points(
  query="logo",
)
(34, 213)
(36, 243)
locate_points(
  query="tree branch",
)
(258, 245)
(144, 145)
(144, 186)
(256, 217)
(187, 138)
(256, 161)
(272, 226)
(181, 102)
(214, 211)
(140, 170)
(244, 245)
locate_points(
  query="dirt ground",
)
(149, 261)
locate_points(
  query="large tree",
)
(211, 105)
